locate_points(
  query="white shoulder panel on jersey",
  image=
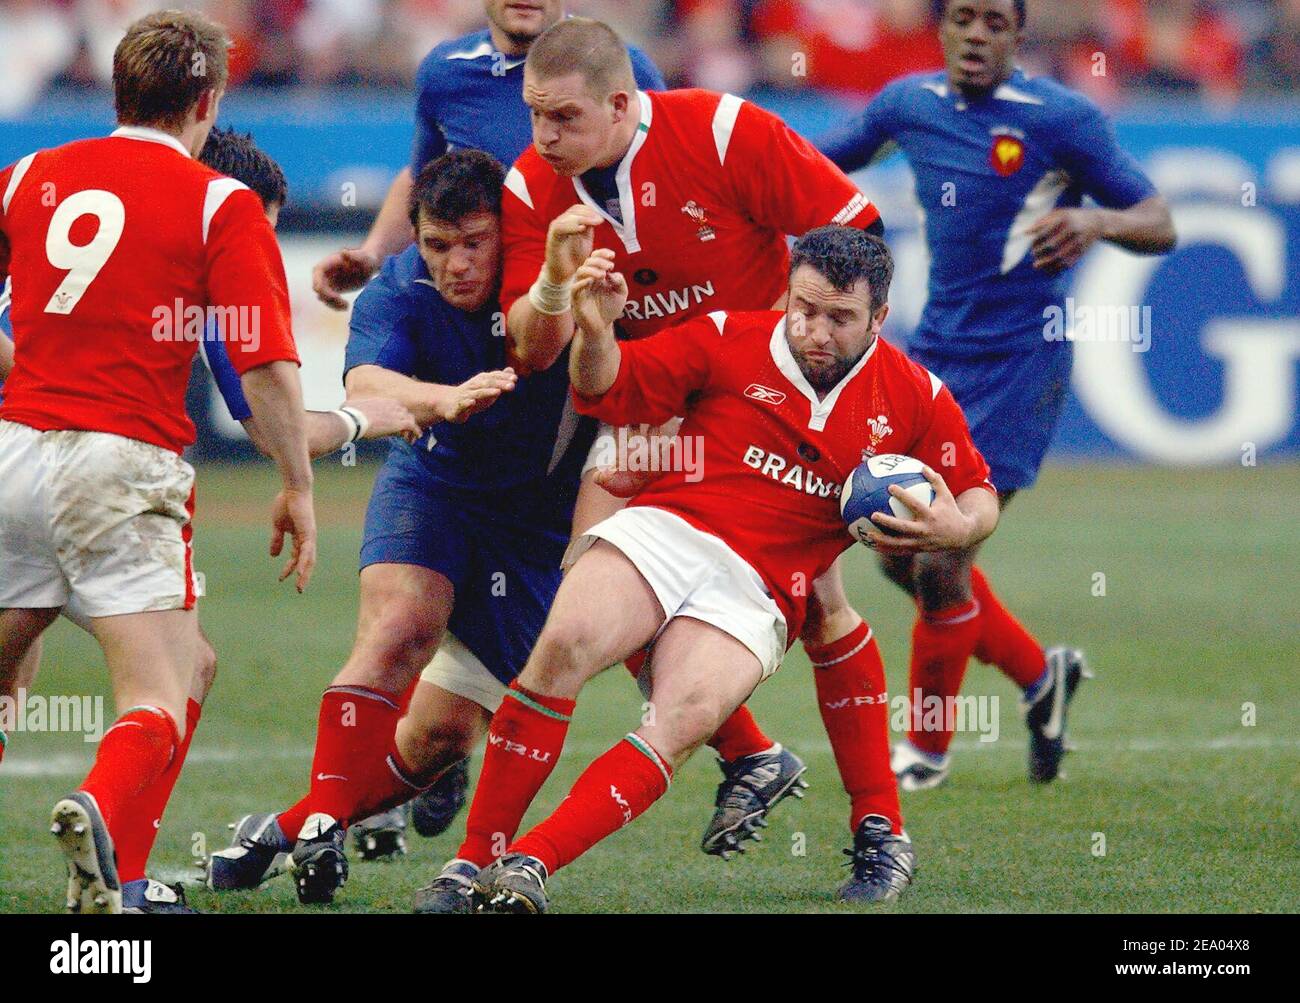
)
(724, 121)
(1008, 93)
(936, 385)
(16, 178)
(719, 318)
(519, 187)
(219, 189)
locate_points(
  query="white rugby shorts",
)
(93, 519)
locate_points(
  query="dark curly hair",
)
(457, 184)
(843, 255)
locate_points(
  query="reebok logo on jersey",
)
(758, 392)
(790, 474)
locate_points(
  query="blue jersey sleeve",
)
(1098, 164)
(6, 325)
(379, 333)
(430, 141)
(648, 77)
(853, 144)
(216, 354)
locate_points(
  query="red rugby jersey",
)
(774, 457)
(119, 250)
(709, 189)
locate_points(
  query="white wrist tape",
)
(549, 298)
(356, 420)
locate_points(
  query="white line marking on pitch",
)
(68, 766)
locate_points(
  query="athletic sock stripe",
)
(954, 619)
(644, 747)
(402, 777)
(361, 691)
(844, 658)
(532, 704)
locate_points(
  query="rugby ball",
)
(867, 491)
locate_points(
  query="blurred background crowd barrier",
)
(1205, 94)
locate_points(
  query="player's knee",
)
(942, 579)
(691, 721)
(563, 659)
(402, 634)
(437, 747)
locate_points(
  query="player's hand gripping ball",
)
(867, 491)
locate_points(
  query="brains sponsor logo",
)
(790, 474)
(666, 304)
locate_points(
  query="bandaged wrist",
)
(551, 298)
(355, 419)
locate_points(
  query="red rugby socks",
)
(353, 734)
(523, 745)
(611, 792)
(1003, 640)
(850, 679)
(942, 643)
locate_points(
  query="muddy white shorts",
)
(95, 519)
(695, 574)
(458, 670)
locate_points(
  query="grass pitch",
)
(1174, 801)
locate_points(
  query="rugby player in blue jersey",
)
(469, 95)
(463, 539)
(1002, 163)
(236, 156)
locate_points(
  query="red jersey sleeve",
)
(5, 175)
(947, 448)
(657, 375)
(796, 188)
(245, 280)
(523, 239)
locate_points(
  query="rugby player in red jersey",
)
(706, 570)
(695, 193)
(119, 250)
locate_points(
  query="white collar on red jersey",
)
(784, 359)
(623, 178)
(149, 136)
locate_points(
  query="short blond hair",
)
(164, 64)
(586, 46)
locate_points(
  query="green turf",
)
(1198, 811)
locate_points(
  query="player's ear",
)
(878, 316)
(619, 101)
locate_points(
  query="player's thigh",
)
(440, 727)
(594, 505)
(603, 611)
(20, 645)
(151, 658)
(699, 675)
(830, 614)
(403, 613)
